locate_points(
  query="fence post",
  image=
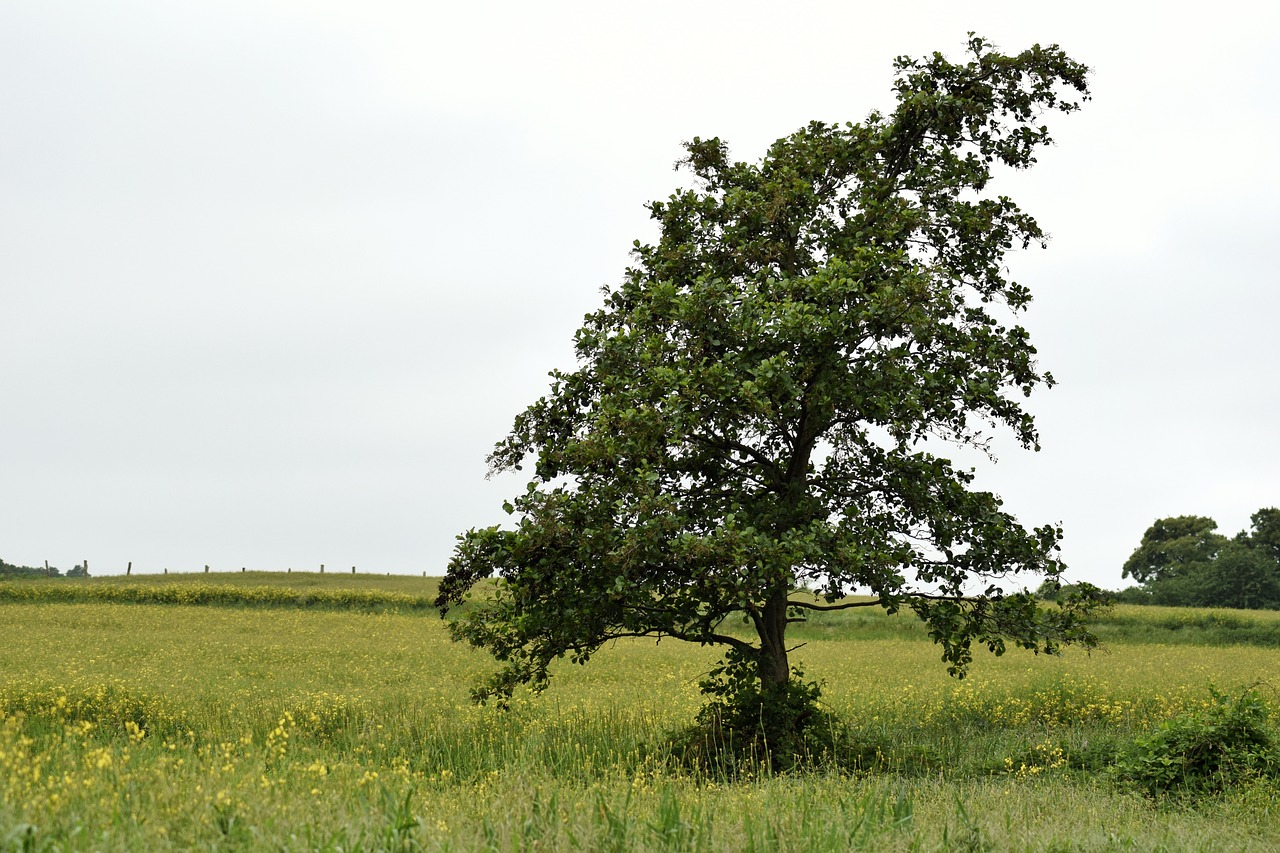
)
(353, 570)
(242, 568)
(46, 567)
(129, 570)
(322, 568)
(166, 570)
(206, 569)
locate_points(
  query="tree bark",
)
(772, 628)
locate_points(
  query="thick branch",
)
(825, 607)
(769, 466)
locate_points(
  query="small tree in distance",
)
(743, 441)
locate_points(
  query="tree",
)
(1170, 544)
(1266, 532)
(1237, 576)
(1182, 562)
(10, 570)
(744, 438)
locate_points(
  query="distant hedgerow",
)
(215, 594)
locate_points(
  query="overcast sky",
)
(275, 276)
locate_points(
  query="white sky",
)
(275, 275)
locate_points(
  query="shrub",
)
(748, 728)
(1205, 750)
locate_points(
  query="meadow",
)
(309, 712)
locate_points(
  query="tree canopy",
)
(744, 439)
(1264, 532)
(1171, 543)
(1181, 561)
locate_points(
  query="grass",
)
(236, 589)
(172, 726)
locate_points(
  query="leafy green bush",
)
(747, 728)
(1205, 750)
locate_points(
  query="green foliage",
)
(1171, 543)
(1204, 751)
(744, 441)
(1181, 562)
(748, 727)
(8, 570)
(1265, 533)
(1238, 577)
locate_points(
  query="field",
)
(332, 714)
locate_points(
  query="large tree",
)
(745, 438)
(1183, 562)
(1170, 544)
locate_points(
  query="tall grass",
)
(136, 726)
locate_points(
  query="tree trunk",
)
(772, 628)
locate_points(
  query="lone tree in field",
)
(743, 441)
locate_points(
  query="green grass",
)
(236, 589)
(1125, 623)
(1190, 625)
(164, 726)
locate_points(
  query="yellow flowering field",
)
(127, 726)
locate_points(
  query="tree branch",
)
(769, 466)
(826, 607)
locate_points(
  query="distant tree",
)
(1169, 544)
(1238, 576)
(1133, 595)
(10, 570)
(1183, 562)
(1265, 535)
(749, 415)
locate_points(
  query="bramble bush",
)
(1205, 750)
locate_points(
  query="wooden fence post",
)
(206, 569)
(322, 568)
(129, 570)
